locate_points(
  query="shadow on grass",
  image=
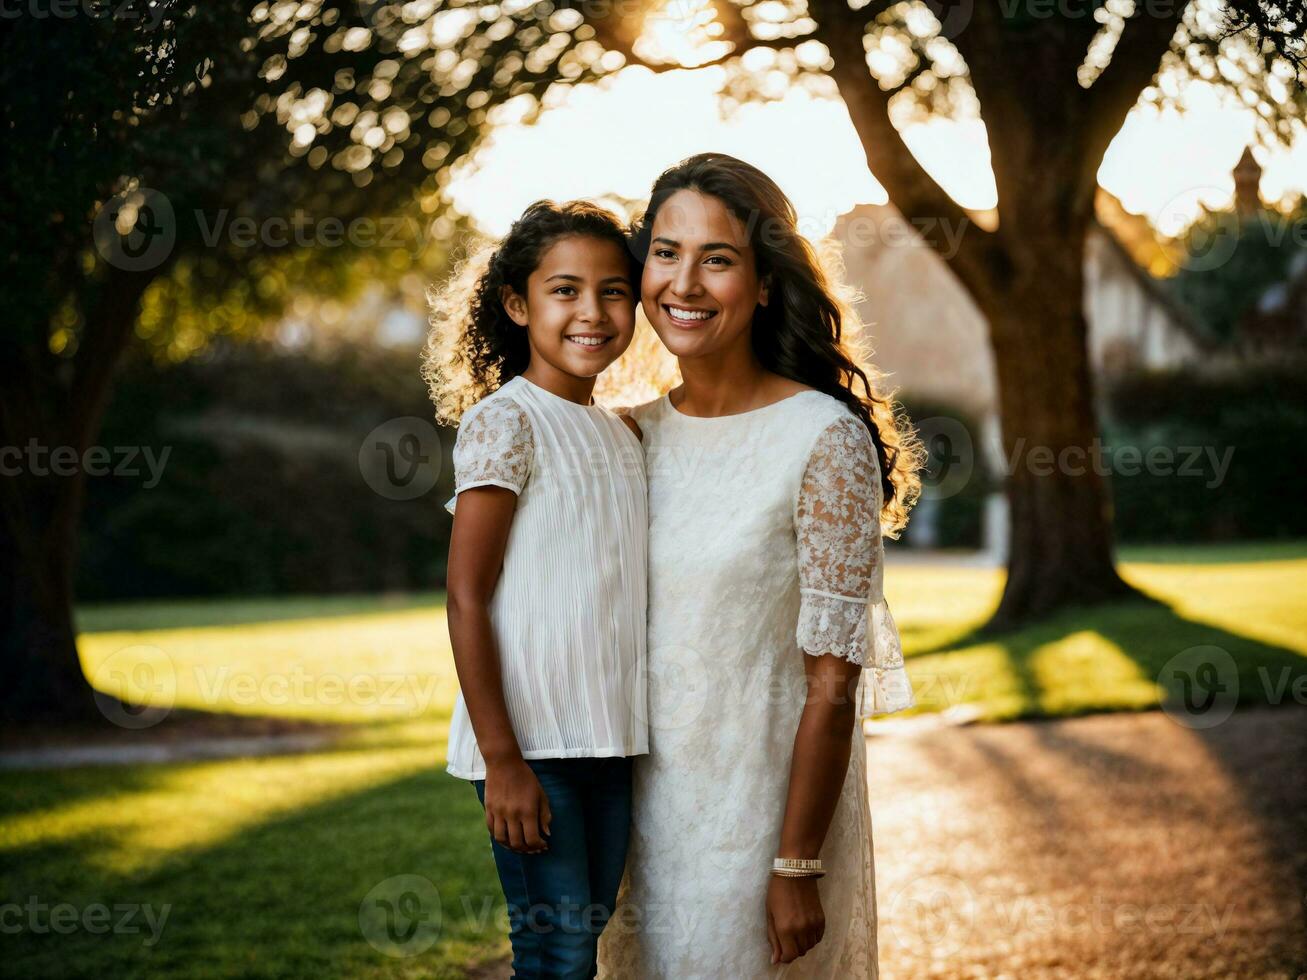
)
(1213, 554)
(32, 792)
(1151, 634)
(178, 724)
(155, 614)
(278, 899)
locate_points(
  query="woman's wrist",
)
(799, 849)
(792, 881)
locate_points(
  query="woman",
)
(773, 470)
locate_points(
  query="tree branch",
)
(911, 189)
(1135, 61)
(108, 330)
(620, 34)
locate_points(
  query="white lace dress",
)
(764, 544)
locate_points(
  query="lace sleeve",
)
(842, 607)
(494, 448)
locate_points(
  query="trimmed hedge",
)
(1258, 416)
(262, 491)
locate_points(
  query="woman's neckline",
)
(566, 401)
(735, 415)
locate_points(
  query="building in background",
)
(933, 342)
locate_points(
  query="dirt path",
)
(171, 750)
(1110, 846)
(1106, 846)
(182, 735)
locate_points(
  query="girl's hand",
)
(517, 809)
(795, 920)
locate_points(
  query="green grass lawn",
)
(263, 864)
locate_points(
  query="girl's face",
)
(579, 307)
(701, 285)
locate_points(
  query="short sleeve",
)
(494, 448)
(842, 609)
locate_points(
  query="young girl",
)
(547, 566)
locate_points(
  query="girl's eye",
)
(719, 259)
(565, 290)
(615, 291)
(664, 253)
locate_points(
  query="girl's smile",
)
(591, 341)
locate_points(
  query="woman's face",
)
(700, 286)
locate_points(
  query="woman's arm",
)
(837, 531)
(820, 762)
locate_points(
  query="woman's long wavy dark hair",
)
(473, 346)
(799, 333)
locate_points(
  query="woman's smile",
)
(687, 316)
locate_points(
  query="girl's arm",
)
(624, 413)
(837, 529)
(492, 463)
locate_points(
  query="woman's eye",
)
(719, 259)
(565, 291)
(615, 291)
(664, 253)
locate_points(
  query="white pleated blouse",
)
(569, 609)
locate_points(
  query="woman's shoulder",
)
(822, 423)
(804, 403)
(814, 411)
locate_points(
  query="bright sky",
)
(615, 139)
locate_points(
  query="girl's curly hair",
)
(800, 334)
(473, 346)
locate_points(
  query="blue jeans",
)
(559, 901)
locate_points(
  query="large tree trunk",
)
(48, 405)
(1060, 548)
(40, 673)
(1047, 137)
